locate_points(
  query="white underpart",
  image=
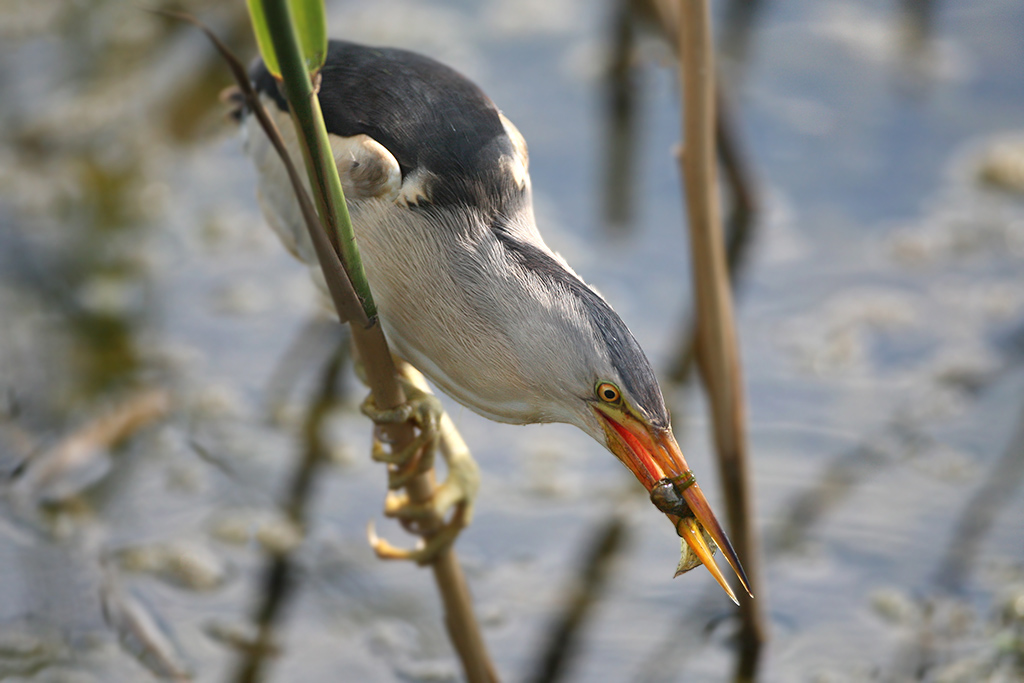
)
(498, 320)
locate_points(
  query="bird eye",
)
(608, 392)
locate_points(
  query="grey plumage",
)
(550, 336)
(437, 184)
(424, 113)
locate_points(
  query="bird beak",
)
(653, 455)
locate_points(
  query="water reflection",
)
(83, 197)
(280, 572)
(880, 318)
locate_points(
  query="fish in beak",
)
(654, 457)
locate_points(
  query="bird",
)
(467, 291)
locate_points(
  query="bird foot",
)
(428, 548)
(455, 495)
(424, 411)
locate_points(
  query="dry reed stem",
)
(718, 353)
(740, 224)
(382, 377)
(460, 620)
(89, 441)
(114, 426)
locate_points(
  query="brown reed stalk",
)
(460, 619)
(688, 23)
(740, 222)
(381, 373)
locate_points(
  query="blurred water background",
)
(145, 306)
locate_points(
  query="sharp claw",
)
(421, 409)
(425, 552)
(398, 506)
(436, 433)
(383, 549)
(415, 459)
(380, 453)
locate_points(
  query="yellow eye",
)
(608, 392)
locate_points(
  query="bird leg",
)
(423, 410)
(456, 494)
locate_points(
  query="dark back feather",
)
(432, 118)
(426, 114)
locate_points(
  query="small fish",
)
(666, 497)
(687, 558)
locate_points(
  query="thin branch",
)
(621, 116)
(369, 340)
(343, 294)
(977, 518)
(304, 106)
(718, 352)
(740, 224)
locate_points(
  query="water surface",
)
(880, 317)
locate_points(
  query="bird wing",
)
(452, 146)
(367, 169)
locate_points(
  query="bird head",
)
(467, 290)
(587, 369)
(615, 397)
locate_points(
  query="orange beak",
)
(655, 458)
